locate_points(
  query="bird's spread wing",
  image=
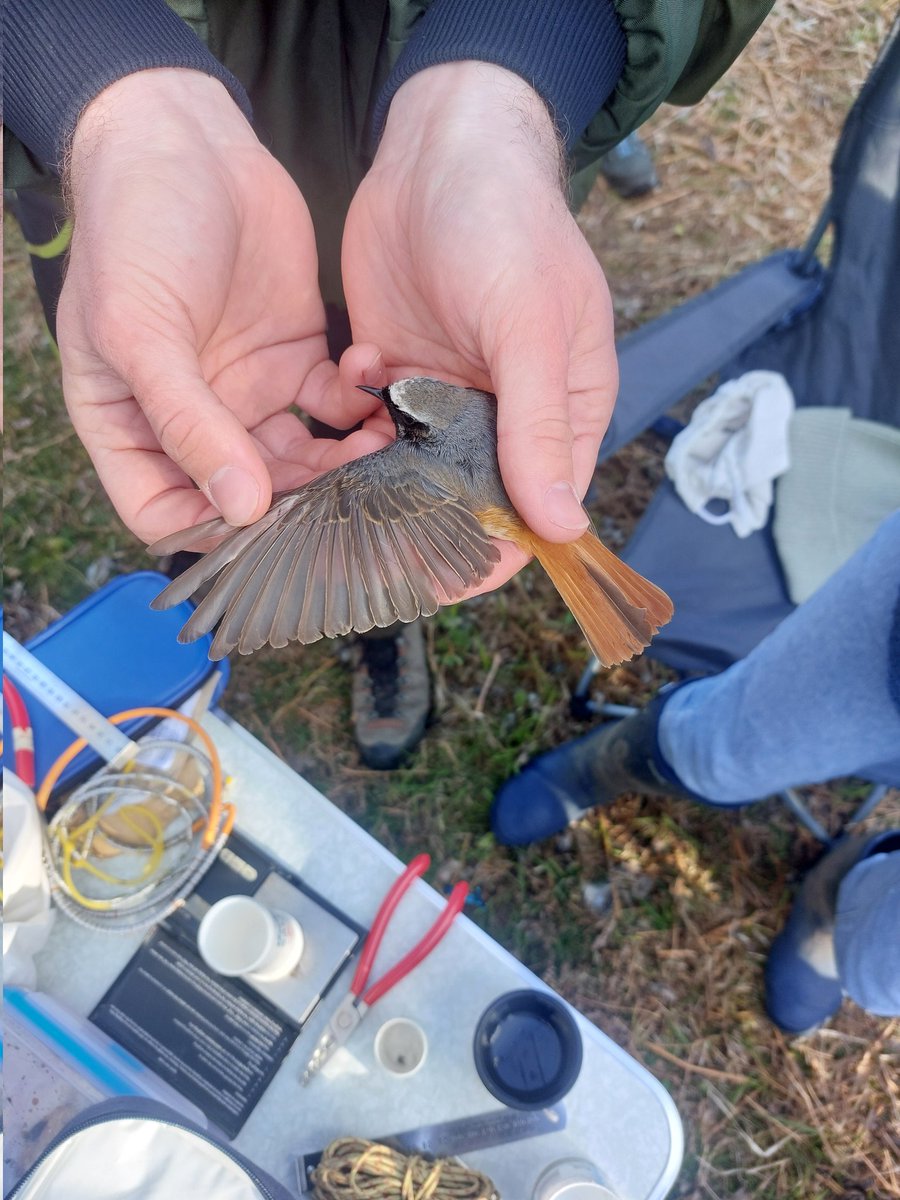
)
(346, 552)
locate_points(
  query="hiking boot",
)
(559, 787)
(628, 168)
(391, 693)
(803, 986)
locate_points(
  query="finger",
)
(150, 493)
(333, 396)
(534, 431)
(363, 363)
(294, 456)
(512, 560)
(591, 411)
(201, 436)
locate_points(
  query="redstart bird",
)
(392, 536)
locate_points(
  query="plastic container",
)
(572, 1179)
(528, 1049)
(55, 1065)
(117, 654)
(401, 1046)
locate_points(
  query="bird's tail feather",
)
(617, 609)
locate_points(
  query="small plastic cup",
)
(528, 1049)
(240, 936)
(401, 1046)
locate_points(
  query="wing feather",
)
(290, 603)
(259, 628)
(224, 589)
(311, 614)
(210, 564)
(238, 591)
(357, 547)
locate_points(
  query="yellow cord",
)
(215, 806)
(75, 844)
(73, 859)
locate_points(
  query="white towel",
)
(734, 447)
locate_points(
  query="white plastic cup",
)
(572, 1179)
(401, 1046)
(240, 936)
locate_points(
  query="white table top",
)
(619, 1115)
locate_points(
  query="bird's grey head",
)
(420, 405)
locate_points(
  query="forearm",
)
(60, 54)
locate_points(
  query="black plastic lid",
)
(528, 1049)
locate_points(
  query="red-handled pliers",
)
(359, 999)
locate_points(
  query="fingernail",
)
(562, 506)
(235, 493)
(373, 375)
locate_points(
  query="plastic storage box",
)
(117, 653)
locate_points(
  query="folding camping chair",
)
(833, 331)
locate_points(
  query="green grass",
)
(61, 536)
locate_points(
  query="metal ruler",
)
(452, 1138)
(65, 703)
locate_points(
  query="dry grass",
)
(672, 969)
(747, 170)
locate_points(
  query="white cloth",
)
(734, 447)
(27, 917)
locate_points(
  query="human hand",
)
(461, 260)
(190, 318)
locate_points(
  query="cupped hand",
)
(461, 260)
(190, 319)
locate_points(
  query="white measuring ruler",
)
(65, 703)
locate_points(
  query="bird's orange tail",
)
(618, 610)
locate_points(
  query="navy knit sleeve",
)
(571, 52)
(59, 54)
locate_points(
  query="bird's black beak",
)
(381, 393)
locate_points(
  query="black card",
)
(212, 1040)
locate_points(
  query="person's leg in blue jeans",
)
(812, 701)
(818, 698)
(842, 936)
(867, 929)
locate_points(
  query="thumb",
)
(535, 437)
(204, 438)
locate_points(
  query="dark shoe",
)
(628, 168)
(802, 984)
(391, 693)
(556, 788)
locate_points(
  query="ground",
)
(672, 968)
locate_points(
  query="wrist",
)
(463, 107)
(152, 104)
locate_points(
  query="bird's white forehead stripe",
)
(403, 394)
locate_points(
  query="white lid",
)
(582, 1191)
